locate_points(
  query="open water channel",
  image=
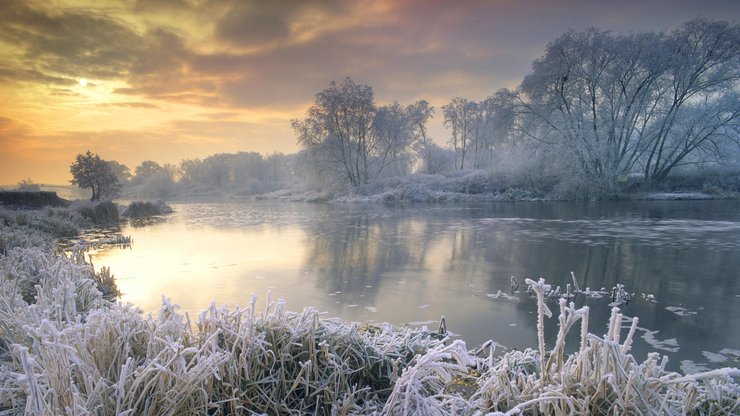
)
(411, 264)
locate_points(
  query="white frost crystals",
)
(66, 350)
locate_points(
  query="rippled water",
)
(412, 264)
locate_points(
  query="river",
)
(411, 264)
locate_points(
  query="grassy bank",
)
(66, 348)
(31, 199)
(485, 186)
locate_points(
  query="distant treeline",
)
(244, 173)
(599, 115)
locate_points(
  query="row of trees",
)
(476, 130)
(246, 172)
(600, 107)
(596, 109)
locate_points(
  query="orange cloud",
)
(170, 79)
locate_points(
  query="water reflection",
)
(416, 263)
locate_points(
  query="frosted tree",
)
(420, 112)
(471, 127)
(122, 172)
(458, 118)
(697, 101)
(483, 133)
(338, 126)
(154, 180)
(433, 158)
(348, 135)
(613, 105)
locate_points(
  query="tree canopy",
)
(612, 105)
(356, 140)
(89, 171)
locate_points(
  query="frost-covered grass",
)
(145, 209)
(65, 349)
(468, 186)
(100, 213)
(58, 222)
(63, 222)
(68, 222)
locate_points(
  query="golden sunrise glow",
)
(211, 253)
(165, 81)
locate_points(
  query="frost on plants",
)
(145, 209)
(66, 349)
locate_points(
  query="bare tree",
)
(395, 133)
(457, 118)
(339, 128)
(698, 104)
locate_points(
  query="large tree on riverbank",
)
(89, 171)
(612, 105)
(337, 128)
(355, 140)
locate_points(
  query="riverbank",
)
(479, 186)
(31, 199)
(247, 360)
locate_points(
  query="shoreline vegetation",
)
(479, 186)
(68, 347)
(469, 186)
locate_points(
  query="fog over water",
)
(411, 264)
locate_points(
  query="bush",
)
(142, 209)
(14, 236)
(28, 185)
(99, 213)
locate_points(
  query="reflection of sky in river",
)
(413, 264)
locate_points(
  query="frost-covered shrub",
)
(34, 271)
(227, 362)
(141, 209)
(14, 217)
(104, 212)
(474, 182)
(14, 236)
(422, 387)
(59, 222)
(518, 194)
(601, 378)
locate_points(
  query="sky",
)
(166, 80)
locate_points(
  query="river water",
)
(411, 264)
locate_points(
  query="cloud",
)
(10, 128)
(249, 23)
(129, 104)
(264, 23)
(219, 115)
(221, 62)
(68, 44)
